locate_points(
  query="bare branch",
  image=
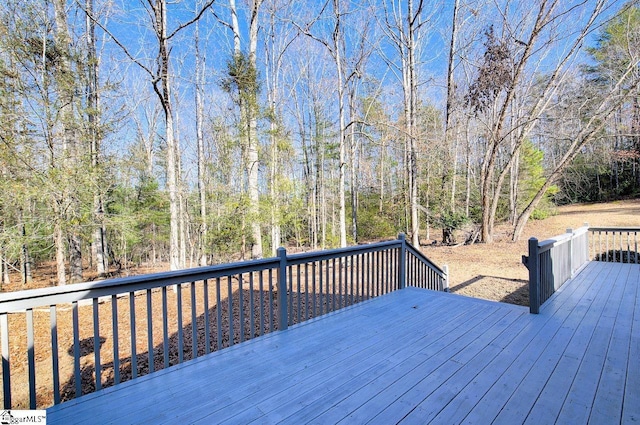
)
(118, 43)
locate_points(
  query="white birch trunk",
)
(203, 231)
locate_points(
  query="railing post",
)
(282, 290)
(570, 231)
(445, 269)
(587, 242)
(402, 283)
(534, 276)
(6, 370)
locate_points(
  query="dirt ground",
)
(491, 271)
(495, 271)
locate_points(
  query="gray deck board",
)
(314, 399)
(393, 386)
(607, 405)
(553, 372)
(510, 367)
(631, 400)
(412, 356)
(583, 391)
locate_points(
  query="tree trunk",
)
(25, 260)
(337, 40)
(413, 106)
(383, 150)
(513, 188)
(273, 185)
(75, 258)
(252, 154)
(449, 106)
(99, 236)
(182, 201)
(162, 88)
(203, 230)
(4, 270)
(352, 168)
(58, 240)
(70, 149)
(467, 199)
(249, 110)
(273, 95)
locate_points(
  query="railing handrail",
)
(20, 300)
(426, 260)
(614, 229)
(577, 255)
(554, 241)
(329, 254)
(615, 244)
(34, 298)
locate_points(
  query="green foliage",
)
(242, 80)
(137, 220)
(229, 228)
(451, 220)
(618, 44)
(532, 177)
(372, 223)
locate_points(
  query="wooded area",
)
(194, 132)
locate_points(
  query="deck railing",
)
(614, 244)
(57, 345)
(554, 261)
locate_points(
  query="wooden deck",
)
(412, 356)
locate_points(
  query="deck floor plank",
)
(582, 360)
(631, 400)
(579, 398)
(412, 356)
(296, 359)
(607, 405)
(248, 355)
(433, 352)
(406, 348)
(472, 364)
(350, 366)
(553, 372)
(362, 406)
(558, 320)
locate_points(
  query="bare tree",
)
(503, 74)
(67, 202)
(402, 27)
(624, 88)
(277, 42)
(244, 73)
(99, 243)
(199, 83)
(161, 80)
(335, 46)
(449, 108)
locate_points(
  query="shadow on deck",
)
(304, 306)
